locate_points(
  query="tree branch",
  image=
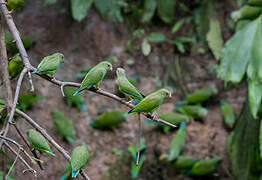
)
(49, 138)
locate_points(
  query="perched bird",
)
(246, 12)
(15, 66)
(63, 126)
(135, 168)
(2, 102)
(184, 163)
(38, 142)
(15, 4)
(73, 100)
(228, 114)
(200, 95)
(176, 145)
(151, 102)
(95, 76)
(67, 171)
(255, 2)
(79, 158)
(25, 101)
(109, 120)
(126, 87)
(193, 111)
(173, 118)
(205, 167)
(49, 64)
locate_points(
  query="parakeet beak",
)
(111, 69)
(170, 95)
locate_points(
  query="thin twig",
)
(140, 133)
(49, 138)
(12, 113)
(28, 145)
(29, 168)
(12, 166)
(31, 81)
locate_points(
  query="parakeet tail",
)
(51, 152)
(36, 71)
(2, 103)
(181, 102)
(82, 107)
(75, 173)
(76, 92)
(63, 177)
(183, 125)
(134, 174)
(92, 124)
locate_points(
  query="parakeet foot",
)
(154, 116)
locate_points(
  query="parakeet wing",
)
(149, 103)
(78, 159)
(93, 77)
(127, 88)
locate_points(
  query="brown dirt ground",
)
(86, 43)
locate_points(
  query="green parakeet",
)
(205, 167)
(15, 4)
(79, 158)
(38, 142)
(176, 145)
(184, 163)
(15, 66)
(64, 126)
(126, 87)
(4, 113)
(2, 102)
(73, 100)
(173, 118)
(200, 95)
(151, 102)
(133, 151)
(228, 114)
(25, 101)
(109, 120)
(95, 76)
(49, 64)
(246, 12)
(66, 172)
(193, 111)
(255, 2)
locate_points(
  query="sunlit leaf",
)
(79, 8)
(146, 48)
(214, 38)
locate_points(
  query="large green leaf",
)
(237, 53)
(79, 8)
(242, 55)
(214, 38)
(166, 10)
(149, 10)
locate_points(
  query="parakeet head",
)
(60, 55)
(105, 64)
(120, 72)
(165, 92)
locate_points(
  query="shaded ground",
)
(85, 44)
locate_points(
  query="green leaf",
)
(180, 23)
(254, 96)
(49, 2)
(146, 48)
(149, 10)
(203, 13)
(237, 53)
(214, 38)
(166, 10)
(79, 8)
(156, 37)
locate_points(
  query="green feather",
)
(109, 120)
(25, 101)
(184, 163)
(15, 4)
(176, 145)
(15, 66)
(200, 95)
(73, 100)
(151, 102)
(126, 87)
(94, 76)
(66, 172)
(79, 158)
(228, 114)
(63, 126)
(38, 142)
(49, 64)
(205, 167)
